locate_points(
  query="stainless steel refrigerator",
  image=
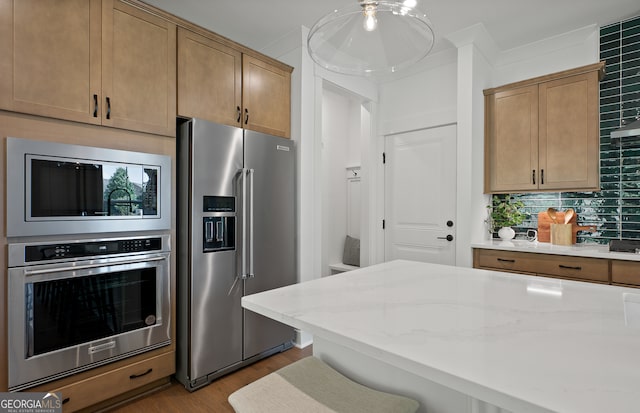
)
(236, 236)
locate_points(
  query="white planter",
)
(506, 233)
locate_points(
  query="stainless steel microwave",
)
(57, 189)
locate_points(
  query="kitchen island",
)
(469, 340)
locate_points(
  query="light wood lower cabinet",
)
(104, 386)
(546, 265)
(625, 273)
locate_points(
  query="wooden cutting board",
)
(544, 226)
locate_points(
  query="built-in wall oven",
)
(74, 305)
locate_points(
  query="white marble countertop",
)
(522, 343)
(578, 250)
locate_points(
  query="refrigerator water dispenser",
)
(218, 233)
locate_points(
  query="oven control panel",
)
(44, 252)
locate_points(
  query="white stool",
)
(309, 385)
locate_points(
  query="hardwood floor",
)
(211, 398)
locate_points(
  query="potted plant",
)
(505, 213)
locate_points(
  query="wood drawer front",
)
(591, 269)
(625, 272)
(506, 261)
(111, 384)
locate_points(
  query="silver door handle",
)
(243, 273)
(251, 273)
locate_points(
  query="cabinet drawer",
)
(590, 269)
(505, 261)
(625, 272)
(111, 384)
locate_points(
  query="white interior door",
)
(420, 195)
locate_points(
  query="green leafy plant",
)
(506, 213)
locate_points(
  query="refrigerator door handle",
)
(251, 273)
(243, 258)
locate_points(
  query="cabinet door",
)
(209, 79)
(568, 133)
(139, 70)
(266, 97)
(511, 147)
(51, 58)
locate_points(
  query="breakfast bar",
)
(470, 340)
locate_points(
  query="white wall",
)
(421, 100)
(567, 51)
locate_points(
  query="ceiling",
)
(259, 23)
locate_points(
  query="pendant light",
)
(371, 37)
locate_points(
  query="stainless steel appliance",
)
(55, 189)
(236, 223)
(74, 305)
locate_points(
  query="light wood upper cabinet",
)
(542, 134)
(221, 84)
(92, 61)
(51, 60)
(209, 79)
(266, 97)
(568, 135)
(512, 139)
(139, 70)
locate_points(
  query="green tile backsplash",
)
(615, 210)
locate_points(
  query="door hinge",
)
(383, 224)
(384, 157)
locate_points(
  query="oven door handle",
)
(28, 272)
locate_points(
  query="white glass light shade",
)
(342, 42)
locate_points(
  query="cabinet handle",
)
(566, 267)
(239, 113)
(533, 176)
(505, 260)
(246, 119)
(95, 106)
(135, 376)
(108, 108)
(541, 176)
(66, 400)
